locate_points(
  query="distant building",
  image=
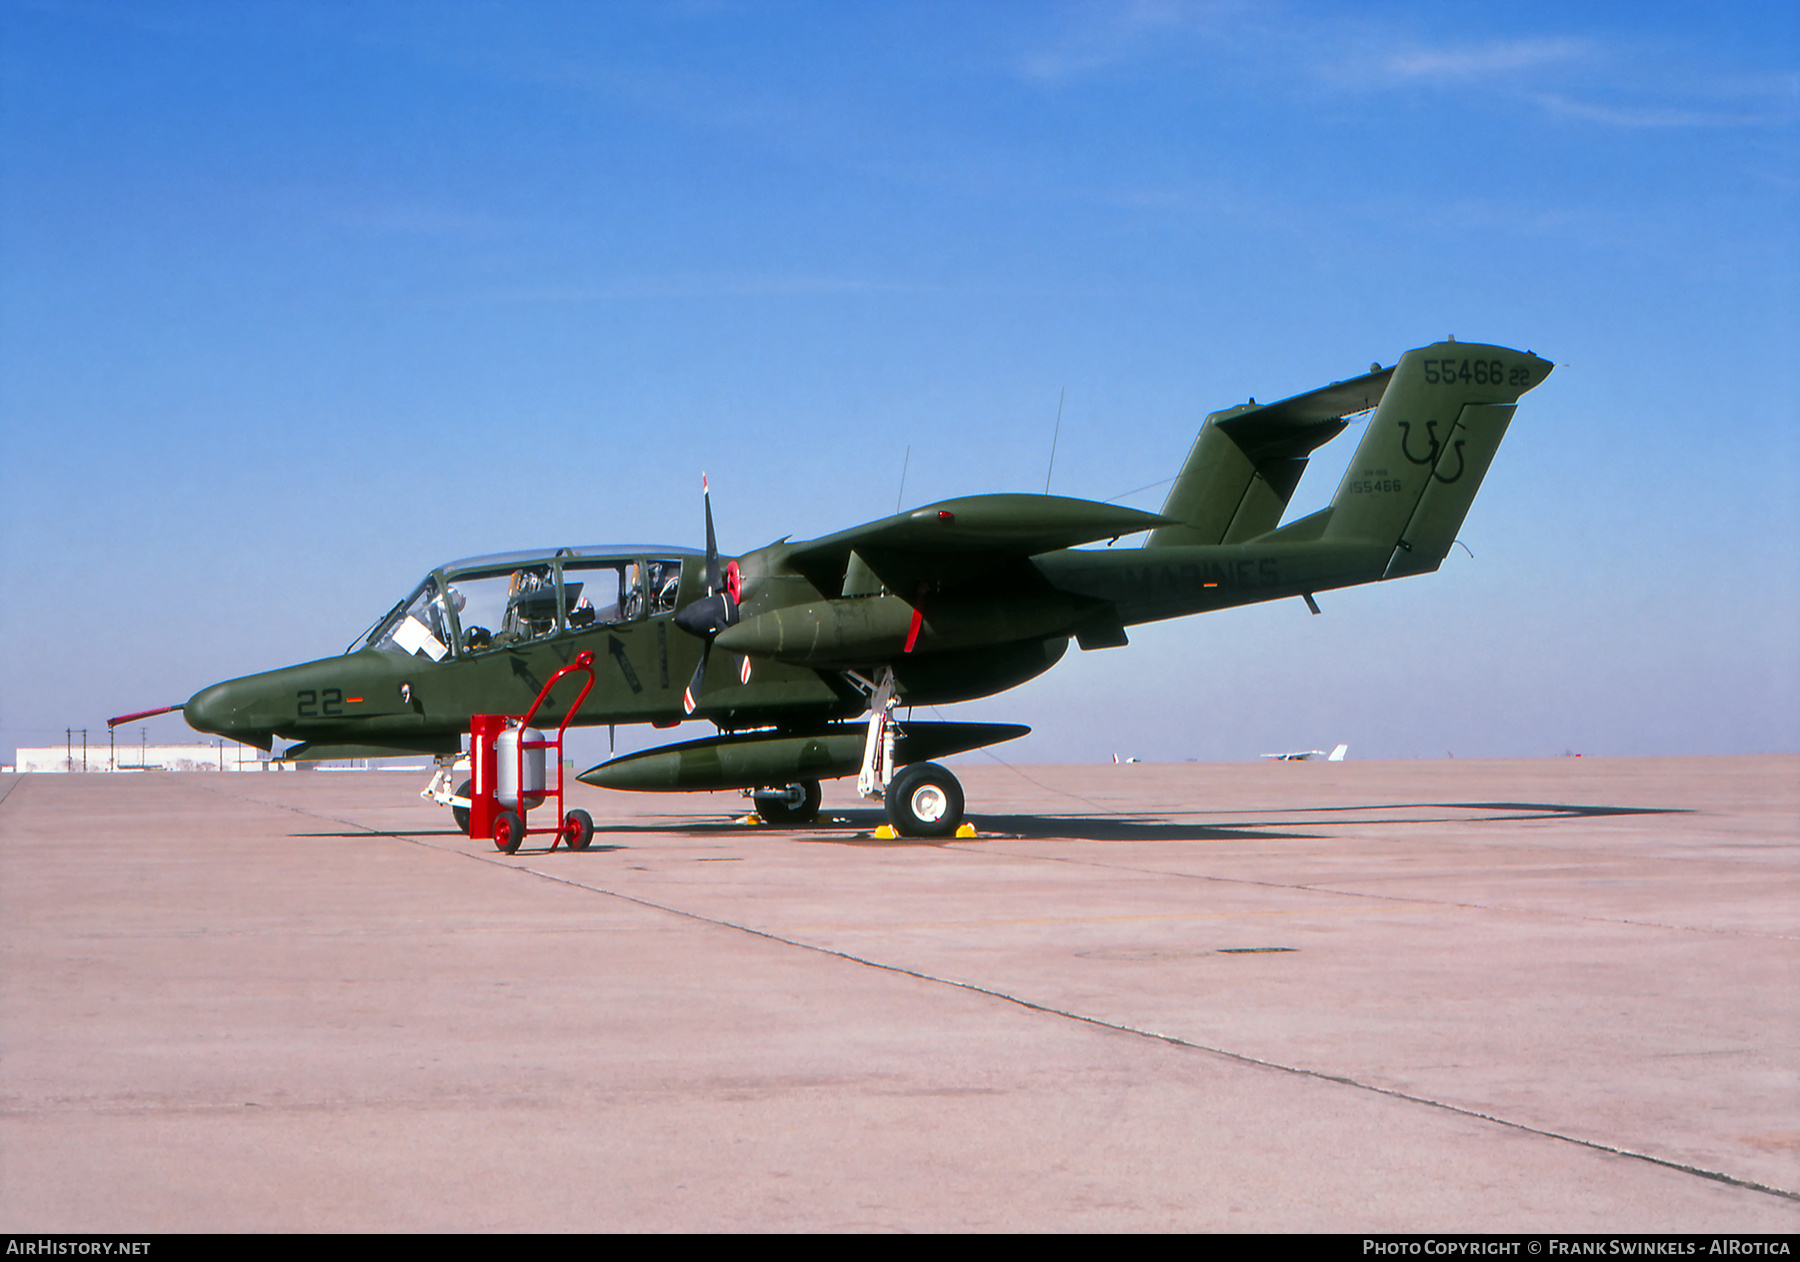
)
(222, 756)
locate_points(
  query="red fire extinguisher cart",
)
(503, 822)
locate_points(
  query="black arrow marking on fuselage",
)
(523, 671)
(616, 647)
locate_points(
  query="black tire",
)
(781, 806)
(578, 829)
(509, 831)
(461, 813)
(924, 800)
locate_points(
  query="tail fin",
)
(1247, 460)
(1337, 755)
(1429, 445)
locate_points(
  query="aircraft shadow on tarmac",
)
(1136, 827)
(1174, 825)
(1519, 810)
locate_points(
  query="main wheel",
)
(795, 804)
(509, 831)
(461, 813)
(577, 829)
(924, 800)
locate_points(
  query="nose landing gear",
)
(792, 804)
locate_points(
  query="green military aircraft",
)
(786, 649)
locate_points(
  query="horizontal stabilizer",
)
(1327, 403)
(1247, 460)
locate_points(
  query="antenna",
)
(902, 491)
(1054, 437)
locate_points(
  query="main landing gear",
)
(923, 800)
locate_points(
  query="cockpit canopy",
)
(484, 604)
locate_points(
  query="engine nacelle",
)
(858, 630)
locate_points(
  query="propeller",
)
(713, 612)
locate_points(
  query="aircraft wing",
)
(964, 539)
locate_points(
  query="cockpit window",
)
(506, 609)
(602, 592)
(663, 585)
(530, 598)
(420, 625)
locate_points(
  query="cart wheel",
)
(578, 829)
(509, 831)
(793, 804)
(461, 813)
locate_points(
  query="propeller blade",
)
(713, 612)
(713, 580)
(718, 609)
(691, 698)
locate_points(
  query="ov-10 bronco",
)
(799, 653)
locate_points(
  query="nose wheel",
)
(461, 813)
(793, 804)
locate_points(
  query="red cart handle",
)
(584, 661)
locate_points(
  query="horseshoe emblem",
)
(1432, 452)
(1458, 444)
(1430, 458)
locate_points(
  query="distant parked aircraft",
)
(1302, 755)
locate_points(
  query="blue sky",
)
(298, 300)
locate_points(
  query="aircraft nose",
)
(211, 710)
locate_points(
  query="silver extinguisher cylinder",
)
(507, 788)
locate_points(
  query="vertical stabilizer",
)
(1427, 448)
